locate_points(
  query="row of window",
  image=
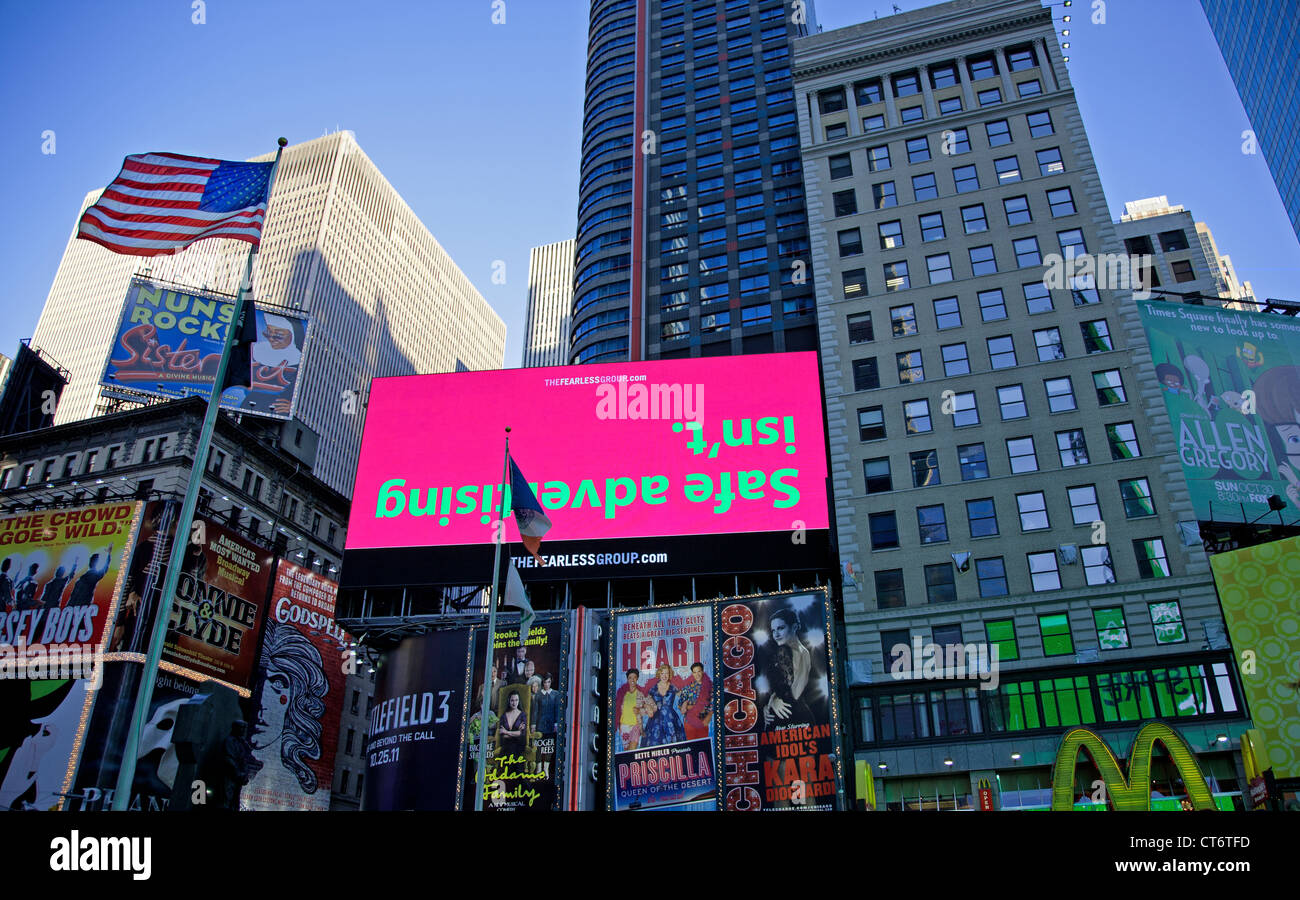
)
(947, 106)
(1002, 354)
(1053, 701)
(974, 218)
(1043, 568)
(716, 322)
(941, 75)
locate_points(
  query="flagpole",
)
(491, 636)
(126, 773)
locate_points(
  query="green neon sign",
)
(1134, 792)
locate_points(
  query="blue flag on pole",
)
(532, 521)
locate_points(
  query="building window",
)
(943, 75)
(939, 268)
(965, 179)
(841, 166)
(1049, 161)
(1097, 567)
(906, 84)
(982, 517)
(850, 242)
(974, 462)
(868, 92)
(999, 132)
(1112, 632)
(846, 203)
(1072, 447)
(884, 530)
(955, 359)
(903, 320)
(1021, 453)
(1008, 169)
(982, 260)
(1136, 494)
(911, 370)
(884, 195)
(866, 376)
(1084, 509)
(1011, 402)
(918, 149)
(889, 589)
(1039, 300)
(1151, 559)
(1001, 633)
(1061, 202)
(1060, 394)
(1043, 574)
(1055, 629)
(1026, 250)
(878, 158)
(1173, 241)
(873, 123)
(932, 524)
(1182, 270)
(1033, 511)
(989, 97)
(671, 331)
(925, 468)
(1072, 243)
(932, 227)
(973, 219)
(1123, 441)
(1021, 58)
(714, 322)
(947, 313)
(855, 282)
(343, 784)
(956, 142)
(871, 424)
(1167, 617)
(860, 330)
(1040, 124)
(1048, 342)
(1110, 387)
(1031, 88)
(829, 101)
(924, 186)
(1096, 336)
(949, 105)
(878, 478)
(896, 277)
(916, 417)
(964, 410)
(911, 114)
(891, 234)
(941, 587)
(982, 67)
(993, 305)
(1017, 210)
(1002, 352)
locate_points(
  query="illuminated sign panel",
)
(625, 459)
(1134, 792)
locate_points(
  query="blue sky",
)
(478, 125)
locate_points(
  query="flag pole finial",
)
(283, 142)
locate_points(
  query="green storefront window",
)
(1002, 634)
(1112, 633)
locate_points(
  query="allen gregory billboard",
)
(645, 468)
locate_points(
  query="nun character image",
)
(275, 360)
(292, 699)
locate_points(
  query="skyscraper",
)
(692, 235)
(550, 298)
(1260, 42)
(340, 244)
(1005, 475)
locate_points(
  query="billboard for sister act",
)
(644, 468)
(169, 342)
(1231, 385)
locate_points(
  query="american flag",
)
(163, 202)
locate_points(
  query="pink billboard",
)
(717, 446)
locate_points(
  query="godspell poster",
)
(780, 730)
(526, 718)
(661, 715)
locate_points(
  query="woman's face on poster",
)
(780, 631)
(270, 715)
(514, 701)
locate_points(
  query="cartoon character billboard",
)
(1231, 385)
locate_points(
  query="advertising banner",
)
(780, 730)
(220, 596)
(526, 718)
(169, 343)
(633, 463)
(299, 695)
(157, 762)
(40, 730)
(1258, 591)
(1231, 385)
(59, 576)
(417, 724)
(661, 715)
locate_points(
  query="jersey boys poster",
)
(661, 721)
(298, 697)
(779, 728)
(526, 718)
(59, 574)
(416, 724)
